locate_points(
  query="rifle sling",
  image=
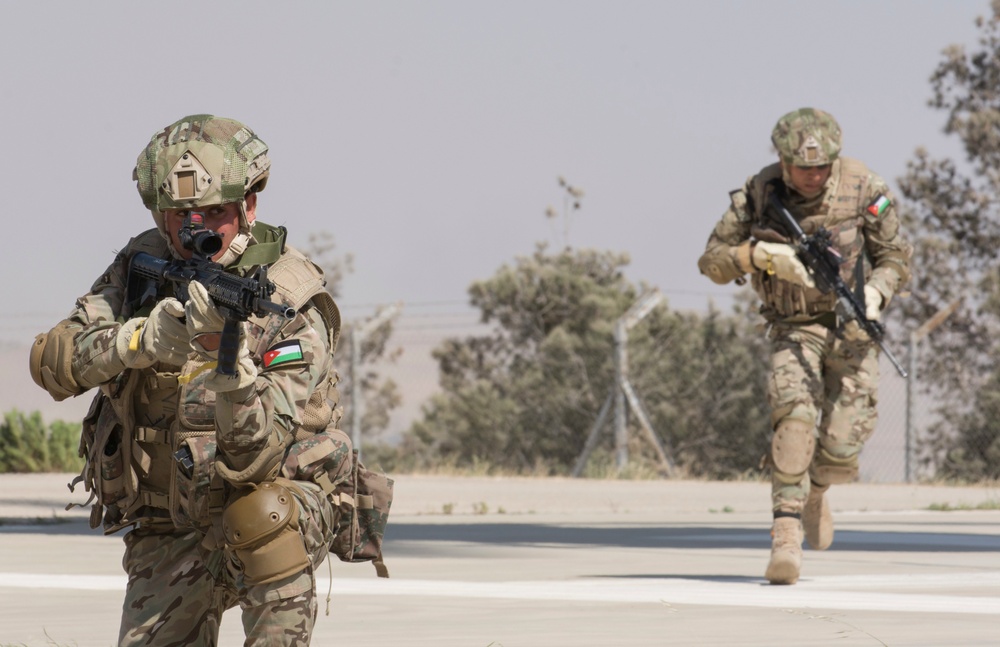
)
(859, 279)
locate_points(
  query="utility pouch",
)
(198, 492)
(112, 487)
(373, 498)
(104, 447)
(103, 475)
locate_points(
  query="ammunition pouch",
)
(105, 473)
(111, 485)
(197, 491)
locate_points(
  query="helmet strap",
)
(235, 249)
(245, 224)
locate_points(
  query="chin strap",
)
(235, 249)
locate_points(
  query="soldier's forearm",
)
(251, 439)
(95, 359)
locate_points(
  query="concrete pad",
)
(481, 561)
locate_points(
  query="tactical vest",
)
(130, 468)
(841, 212)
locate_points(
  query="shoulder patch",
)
(879, 205)
(283, 353)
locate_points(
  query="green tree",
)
(27, 445)
(953, 219)
(975, 454)
(704, 381)
(524, 397)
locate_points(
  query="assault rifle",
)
(237, 297)
(817, 253)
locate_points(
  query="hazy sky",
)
(428, 136)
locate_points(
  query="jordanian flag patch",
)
(878, 207)
(286, 351)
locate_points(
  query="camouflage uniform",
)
(183, 566)
(824, 375)
(814, 370)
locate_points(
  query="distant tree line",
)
(29, 445)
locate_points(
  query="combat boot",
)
(817, 519)
(786, 551)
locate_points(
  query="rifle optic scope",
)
(196, 238)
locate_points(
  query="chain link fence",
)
(884, 458)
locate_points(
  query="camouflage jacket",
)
(856, 206)
(143, 421)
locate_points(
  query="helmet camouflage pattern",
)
(807, 137)
(200, 160)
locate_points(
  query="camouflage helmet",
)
(807, 137)
(200, 160)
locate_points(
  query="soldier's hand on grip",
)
(246, 373)
(162, 337)
(204, 321)
(780, 260)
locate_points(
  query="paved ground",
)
(523, 562)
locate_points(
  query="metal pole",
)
(908, 443)
(666, 462)
(621, 364)
(642, 307)
(622, 391)
(595, 431)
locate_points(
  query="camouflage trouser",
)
(178, 590)
(816, 376)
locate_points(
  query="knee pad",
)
(261, 527)
(792, 448)
(833, 470)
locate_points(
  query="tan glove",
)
(780, 260)
(873, 303)
(853, 332)
(161, 337)
(204, 321)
